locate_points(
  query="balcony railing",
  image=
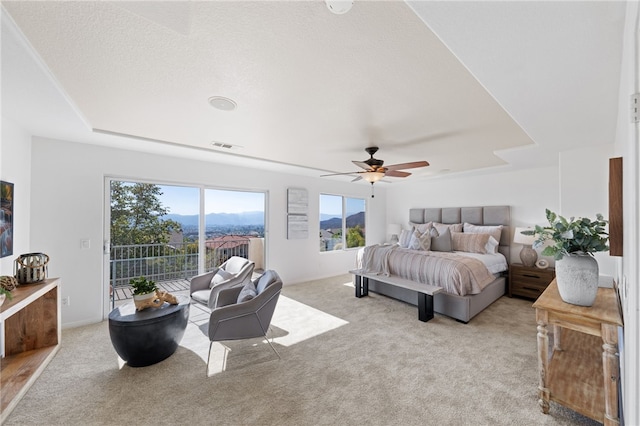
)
(164, 262)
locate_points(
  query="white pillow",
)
(420, 241)
(220, 277)
(405, 238)
(494, 231)
(492, 245)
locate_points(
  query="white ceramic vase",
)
(143, 301)
(2, 297)
(577, 278)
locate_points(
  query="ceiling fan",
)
(374, 169)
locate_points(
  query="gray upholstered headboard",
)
(488, 215)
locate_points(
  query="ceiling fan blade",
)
(411, 165)
(397, 173)
(363, 165)
(357, 179)
(338, 174)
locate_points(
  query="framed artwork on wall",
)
(297, 219)
(6, 219)
(297, 201)
(616, 234)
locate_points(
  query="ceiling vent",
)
(225, 145)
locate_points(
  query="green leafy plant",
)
(576, 235)
(6, 293)
(141, 285)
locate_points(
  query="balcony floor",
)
(174, 286)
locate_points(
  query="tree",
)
(136, 215)
(355, 237)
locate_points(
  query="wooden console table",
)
(29, 338)
(582, 373)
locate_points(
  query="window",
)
(342, 222)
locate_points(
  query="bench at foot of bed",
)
(425, 292)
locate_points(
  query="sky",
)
(184, 200)
(332, 204)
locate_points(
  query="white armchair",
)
(236, 271)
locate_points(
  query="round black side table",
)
(148, 336)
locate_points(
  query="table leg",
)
(425, 307)
(543, 359)
(365, 286)
(610, 369)
(358, 283)
(557, 338)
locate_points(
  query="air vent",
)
(225, 145)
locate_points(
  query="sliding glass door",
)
(173, 232)
(234, 226)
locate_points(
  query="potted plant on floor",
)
(574, 242)
(144, 292)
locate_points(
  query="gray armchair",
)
(236, 271)
(235, 319)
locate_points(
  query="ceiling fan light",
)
(372, 177)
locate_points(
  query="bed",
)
(462, 298)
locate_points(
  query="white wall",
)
(584, 190)
(68, 205)
(15, 167)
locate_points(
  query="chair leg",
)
(270, 344)
(209, 358)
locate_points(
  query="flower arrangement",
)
(576, 235)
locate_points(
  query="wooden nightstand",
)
(529, 281)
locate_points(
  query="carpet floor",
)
(345, 361)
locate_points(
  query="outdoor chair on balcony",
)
(236, 271)
(245, 312)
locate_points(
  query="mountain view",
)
(336, 222)
(257, 218)
(220, 224)
(222, 219)
(247, 223)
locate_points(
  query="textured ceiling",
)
(313, 89)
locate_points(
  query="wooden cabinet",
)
(29, 339)
(529, 281)
(582, 371)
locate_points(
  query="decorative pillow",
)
(247, 293)
(441, 242)
(494, 231)
(422, 227)
(471, 243)
(405, 238)
(492, 245)
(420, 241)
(220, 276)
(453, 227)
